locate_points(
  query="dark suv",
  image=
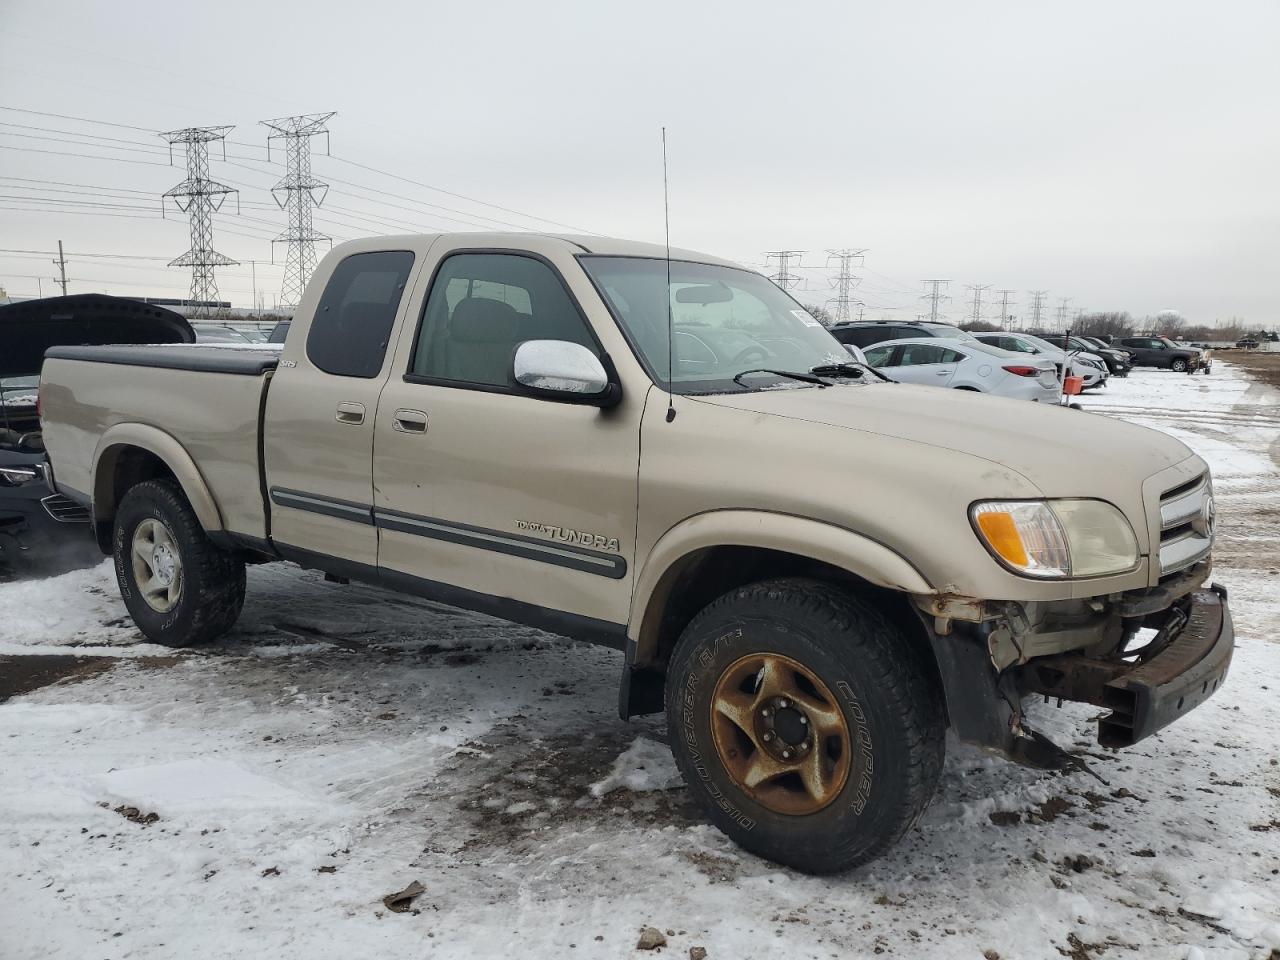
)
(1163, 352)
(864, 333)
(1117, 361)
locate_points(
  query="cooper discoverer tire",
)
(180, 589)
(804, 723)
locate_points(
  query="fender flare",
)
(171, 453)
(837, 546)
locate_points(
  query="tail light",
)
(1020, 371)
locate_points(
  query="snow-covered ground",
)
(344, 742)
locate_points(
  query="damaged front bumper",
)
(1147, 689)
(1144, 689)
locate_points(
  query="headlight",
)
(16, 476)
(1057, 539)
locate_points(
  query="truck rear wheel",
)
(804, 723)
(180, 589)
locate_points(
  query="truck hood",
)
(30, 327)
(1062, 452)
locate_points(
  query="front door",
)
(482, 492)
(321, 405)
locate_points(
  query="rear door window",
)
(916, 354)
(356, 313)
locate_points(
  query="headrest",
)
(481, 320)
(359, 311)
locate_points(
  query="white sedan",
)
(966, 365)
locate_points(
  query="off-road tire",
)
(213, 580)
(1178, 365)
(889, 700)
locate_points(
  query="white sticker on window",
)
(805, 317)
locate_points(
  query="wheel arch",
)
(131, 453)
(712, 553)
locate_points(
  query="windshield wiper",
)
(791, 374)
(851, 368)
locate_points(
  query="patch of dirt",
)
(1264, 366)
(19, 675)
(534, 784)
(134, 815)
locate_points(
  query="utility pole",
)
(61, 264)
(204, 198)
(1006, 318)
(935, 296)
(299, 189)
(845, 282)
(784, 278)
(977, 289)
(1037, 307)
(1062, 312)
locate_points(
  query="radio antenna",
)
(671, 323)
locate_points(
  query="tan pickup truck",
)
(816, 572)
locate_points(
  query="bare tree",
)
(821, 314)
(1104, 324)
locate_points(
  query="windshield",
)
(727, 322)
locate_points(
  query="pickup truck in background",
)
(813, 571)
(1163, 353)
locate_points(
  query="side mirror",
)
(563, 371)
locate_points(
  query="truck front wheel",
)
(804, 723)
(1178, 366)
(180, 589)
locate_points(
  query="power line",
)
(977, 289)
(845, 282)
(204, 197)
(784, 278)
(299, 188)
(1006, 318)
(1062, 311)
(935, 296)
(1037, 307)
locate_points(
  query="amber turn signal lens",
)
(1001, 533)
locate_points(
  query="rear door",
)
(927, 364)
(321, 405)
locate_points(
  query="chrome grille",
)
(1186, 524)
(64, 510)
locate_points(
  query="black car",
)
(1118, 362)
(865, 333)
(1163, 353)
(41, 531)
(1247, 343)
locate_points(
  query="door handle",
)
(350, 412)
(943, 373)
(409, 421)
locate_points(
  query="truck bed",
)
(206, 398)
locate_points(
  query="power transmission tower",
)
(845, 282)
(1037, 307)
(61, 264)
(204, 198)
(299, 189)
(784, 277)
(935, 296)
(1006, 318)
(977, 289)
(1062, 311)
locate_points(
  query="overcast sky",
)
(1123, 154)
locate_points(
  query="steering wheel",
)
(755, 350)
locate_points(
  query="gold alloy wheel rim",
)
(780, 734)
(157, 565)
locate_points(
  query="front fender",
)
(859, 555)
(123, 436)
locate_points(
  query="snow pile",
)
(77, 609)
(645, 765)
(195, 786)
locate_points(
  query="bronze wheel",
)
(780, 734)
